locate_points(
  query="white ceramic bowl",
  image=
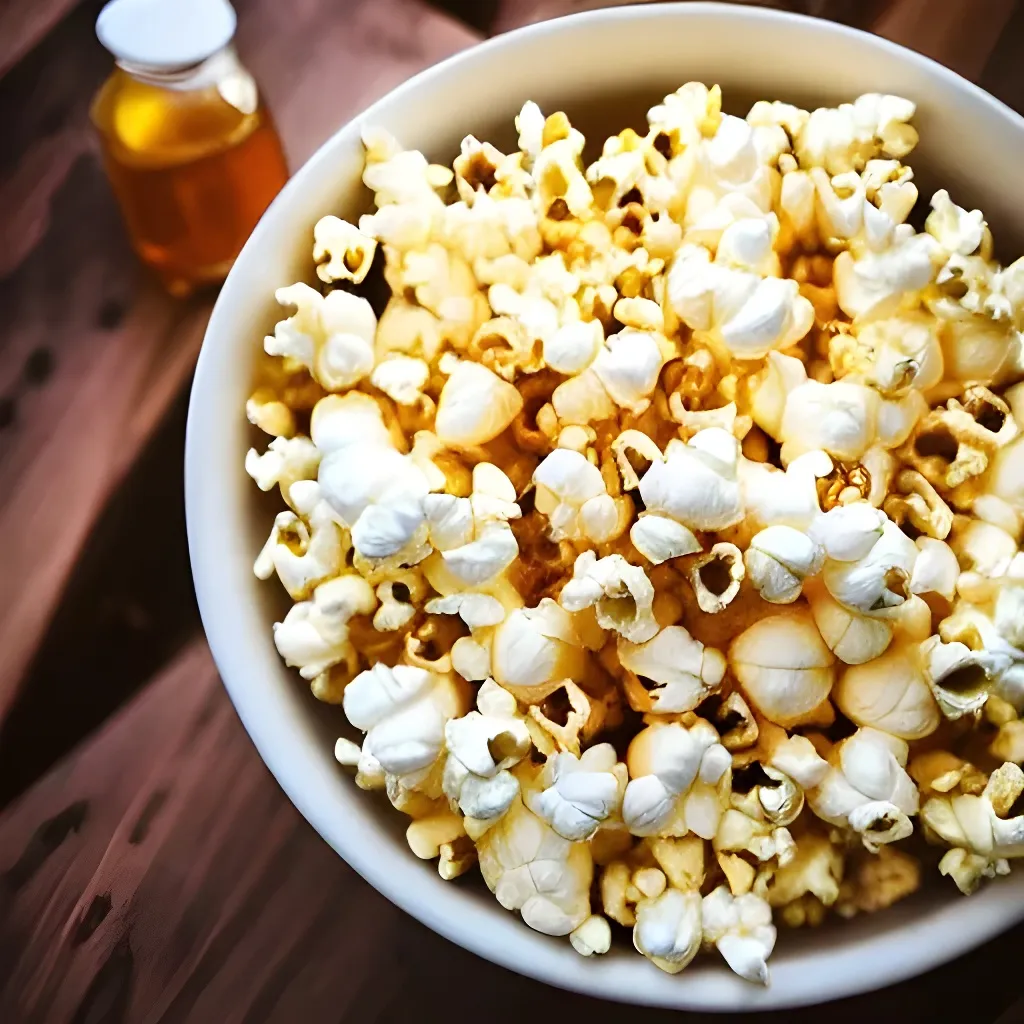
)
(604, 68)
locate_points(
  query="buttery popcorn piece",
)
(375, 489)
(685, 671)
(741, 929)
(673, 774)
(314, 635)
(867, 789)
(890, 693)
(784, 667)
(580, 794)
(534, 649)
(403, 711)
(668, 929)
(620, 594)
(696, 484)
(532, 869)
(330, 336)
(475, 405)
(482, 747)
(341, 251)
(778, 560)
(572, 493)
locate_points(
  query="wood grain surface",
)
(959, 33)
(159, 874)
(24, 23)
(511, 14)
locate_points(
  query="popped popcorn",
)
(482, 747)
(673, 774)
(867, 788)
(580, 793)
(667, 520)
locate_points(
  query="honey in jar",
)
(191, 152)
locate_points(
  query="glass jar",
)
(191, 152)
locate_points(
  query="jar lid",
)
(165, 34)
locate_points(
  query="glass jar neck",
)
(215, 69)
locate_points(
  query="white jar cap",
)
(165, 34)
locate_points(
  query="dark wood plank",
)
(513, 13)
(159, 874)
(115, 350)
(120, 620)
(478, 14)
(321, 62)
(1003, 75)
(169, 878)
(960, 33)
(24, 23)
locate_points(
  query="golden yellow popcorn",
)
(664, 528)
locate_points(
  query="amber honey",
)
(193, 169)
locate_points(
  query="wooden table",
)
(150, 868)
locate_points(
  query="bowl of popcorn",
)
(624, 576)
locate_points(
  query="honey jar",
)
(191, 151)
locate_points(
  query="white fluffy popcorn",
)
(286, 460)
(659, 538)
(673, 773)
(534, 649)
(330, 336)
(935, 570)
(667, 520)
(867, 788)
(778, 560)
(572, 494)
(733, 307)
(593, 937)
(580, 794)
(403, 711)
(685, 671)
(977, 829)
(620, 594)
(532, 869)
(960, 679)
(475, 405)
(628, 366)
(696, 484)
(473, 535)
(482, 747)
(314, 635)
(878, 580)
(375, 490)
(303, 552)
(879, 283)
(890, 693)
(847, 533)
(837, 418)
(574, 346)
(668, 929)
(852, 637)
(401, 378)
(741, 929)
(772, 497)
(342, 252)
(844, 138)
(784, 667)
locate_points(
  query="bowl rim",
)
(899, 953)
